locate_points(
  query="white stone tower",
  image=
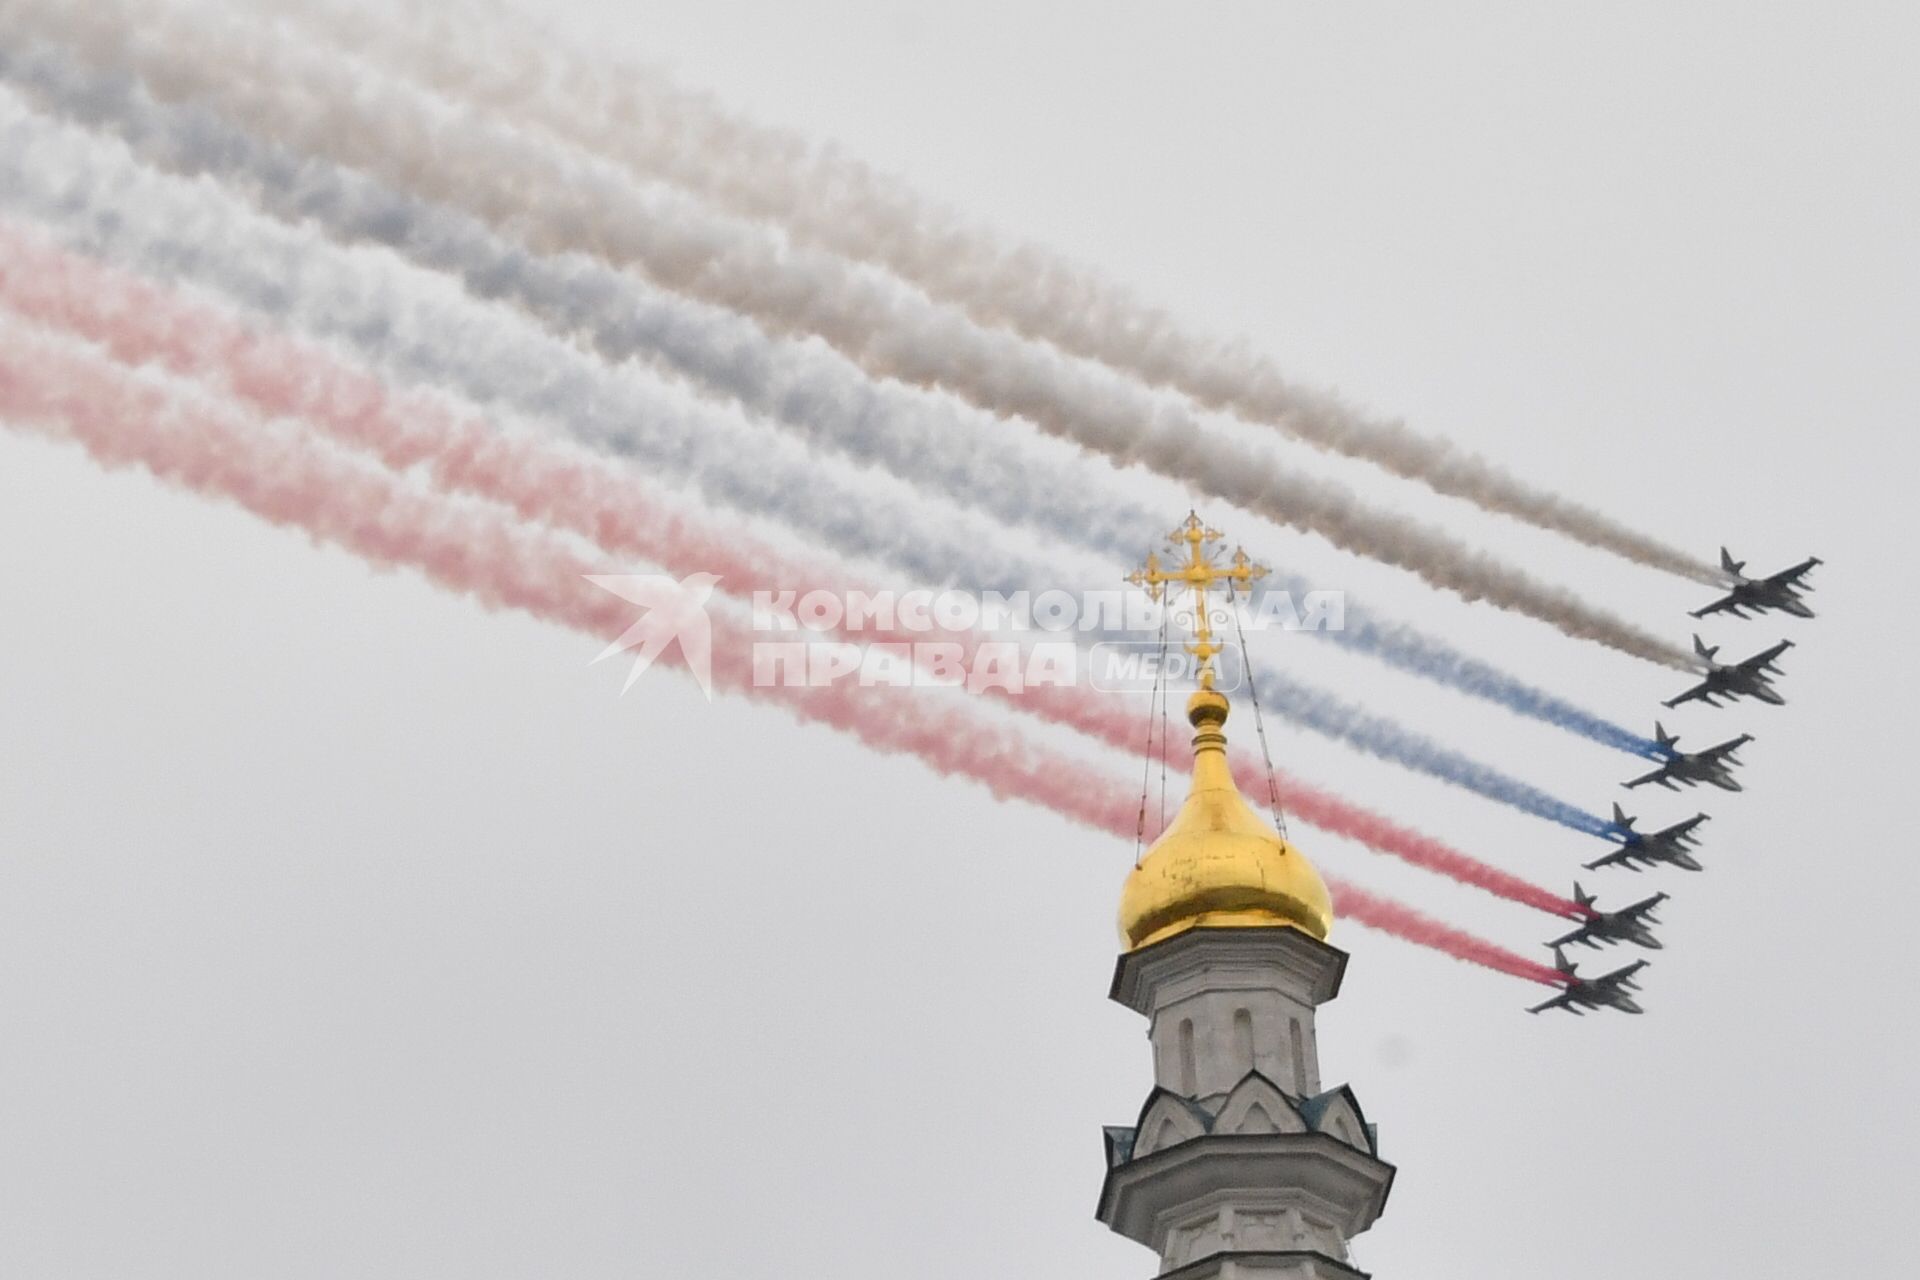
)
(1243, 1165)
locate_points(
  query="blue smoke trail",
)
(922, 438)
(1402, 646)
(434, 333)
(1389, 741)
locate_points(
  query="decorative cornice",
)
(1214, 1264)
(1318, 965)
(1350, 1182)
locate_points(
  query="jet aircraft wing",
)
(1562, 1001)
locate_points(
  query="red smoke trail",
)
(289, 479)
(1330, 813)
(141, 322)
(1365, 907)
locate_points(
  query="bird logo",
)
(672, 612)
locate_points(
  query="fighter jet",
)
(1757, 595)
(1609, 991)
(1628, 924)
(1711, 764)
(1651, 849)
(1735, 680)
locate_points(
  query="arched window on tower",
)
(1189, 1068)
(1243, 1041)
(1299, 1038)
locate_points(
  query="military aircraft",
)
(1638, 849)
(1757, 595)
(1735, 680)
(1628, 924)
(1710, 764)
(1609, 991)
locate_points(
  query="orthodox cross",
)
(1194, 547)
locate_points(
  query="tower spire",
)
(1242, 1166)
(1218, 863)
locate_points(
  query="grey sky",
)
(347, 929)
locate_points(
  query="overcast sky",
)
(347, 929)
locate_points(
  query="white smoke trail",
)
(826, 199)
(422, 328)
(560, 199)
(924, 439)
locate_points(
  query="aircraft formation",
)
(1673, 846)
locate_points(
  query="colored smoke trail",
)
(1362, 906)
(139, 323)
(1387, 740)
(558, 199)
(925, 440)
(922, 439)
(398, 317)
(1329, 813)
(823, 198)
(64, 389)
(1411, 649)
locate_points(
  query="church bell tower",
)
(1243, 1164)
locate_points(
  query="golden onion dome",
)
(1219, 864)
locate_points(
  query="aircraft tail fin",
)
(1704, 649)
(1620, 818)
(1661, 735)
(1728, 563)
(1581, 896)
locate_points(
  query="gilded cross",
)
(1194, 547)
